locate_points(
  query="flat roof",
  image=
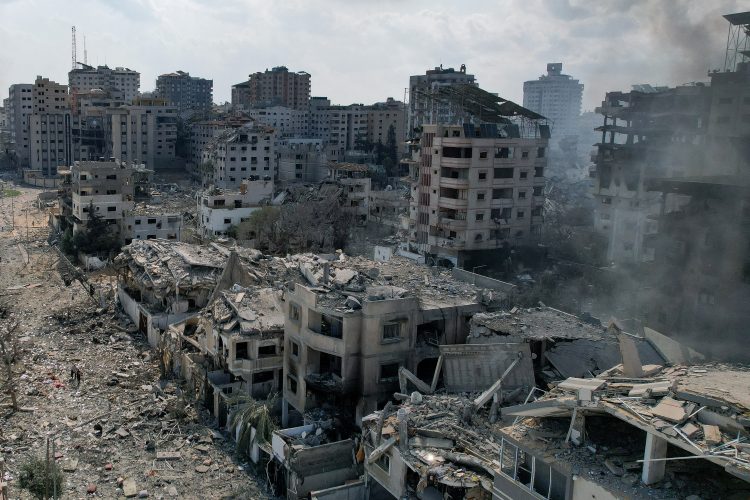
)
(738, 18)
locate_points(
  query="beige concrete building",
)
(357, 184)
(301, 160)
(219, 210)
(288, 122)
(275, 87)
(50, 127)
(204, 131)
(472, 193)
(18, 109)
(423, 108)
(87, 78)
(144, 132)
(356, 322)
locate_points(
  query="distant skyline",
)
(365, 51)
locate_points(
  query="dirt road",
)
(107, 431)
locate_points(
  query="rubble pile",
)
(121, 427)
(345, 282)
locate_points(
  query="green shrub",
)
(38, 479)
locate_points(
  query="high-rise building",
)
(50, 127)
(476, 189)
(424, 108)
(557, 97)
(275, 87)
(144, 132)
(287, 122)
(18, 109)
(88, 78)
(187, 93)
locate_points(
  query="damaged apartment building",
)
(625, 429)
(221, 209)
(113, 191)
(245, 152)
(356, 322)
(477, 188)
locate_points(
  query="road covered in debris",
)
(123, 431)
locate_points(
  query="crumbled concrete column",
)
(284, 413)
(656, 448)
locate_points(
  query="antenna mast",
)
(73, 49)
(85, 53)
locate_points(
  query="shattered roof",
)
(703, 409)
(247, 311)
(349, 167)
(538, 323)
(399, 278)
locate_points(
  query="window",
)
(266, 351)
(111, 209)
(294, 311)
(504, 153)
(539, 172)
(391, 331)
(384, 463)
(504, 194)
(480, 216)
(264, 376)
(240, 350)
(523, 174)
(482, 176)
(480, 196)
(522, 195)
(295, 348)
(227, 221)
(483, 155)
(152, 221)
(503, 173)
(112, 177)
(606, 200)
(138, 222)
(389, 372)
(538, 191)
(291, 384)
(520, 214)
(498, 213)
(540, 152)
(524, 155)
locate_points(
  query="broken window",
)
(294, 311)
(539, 172)
(264, 376)
(291, 384)
(504, 193)
(504, 153)
(266, 351)
(384, 463)
(501, 213)
(482, 176)
(295, 348)
(504, 173)
(240, 350)
(391, 331)
(389, 372)
(540, 152)
(538, 190)
(480, 216)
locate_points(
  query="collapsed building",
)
(161, 282)
(626, 432)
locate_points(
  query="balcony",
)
(455, 162)
(255, 365)
(459, 224)
(455, 203)
(451, 182)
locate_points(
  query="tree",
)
(252, 414)
(96, 239)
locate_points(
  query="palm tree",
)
(248, 414)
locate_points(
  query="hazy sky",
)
(365, 50)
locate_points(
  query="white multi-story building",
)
(558, 98)
(123, 79)
(288, 122)
(242, 153)
(423, 107)
(219, 210)
(204, 131)
(472, 193)
(50, 127)
(18, 109)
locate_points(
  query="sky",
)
(363, 51)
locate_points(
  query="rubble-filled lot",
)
(124, 432)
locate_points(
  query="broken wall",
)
(474, 368)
